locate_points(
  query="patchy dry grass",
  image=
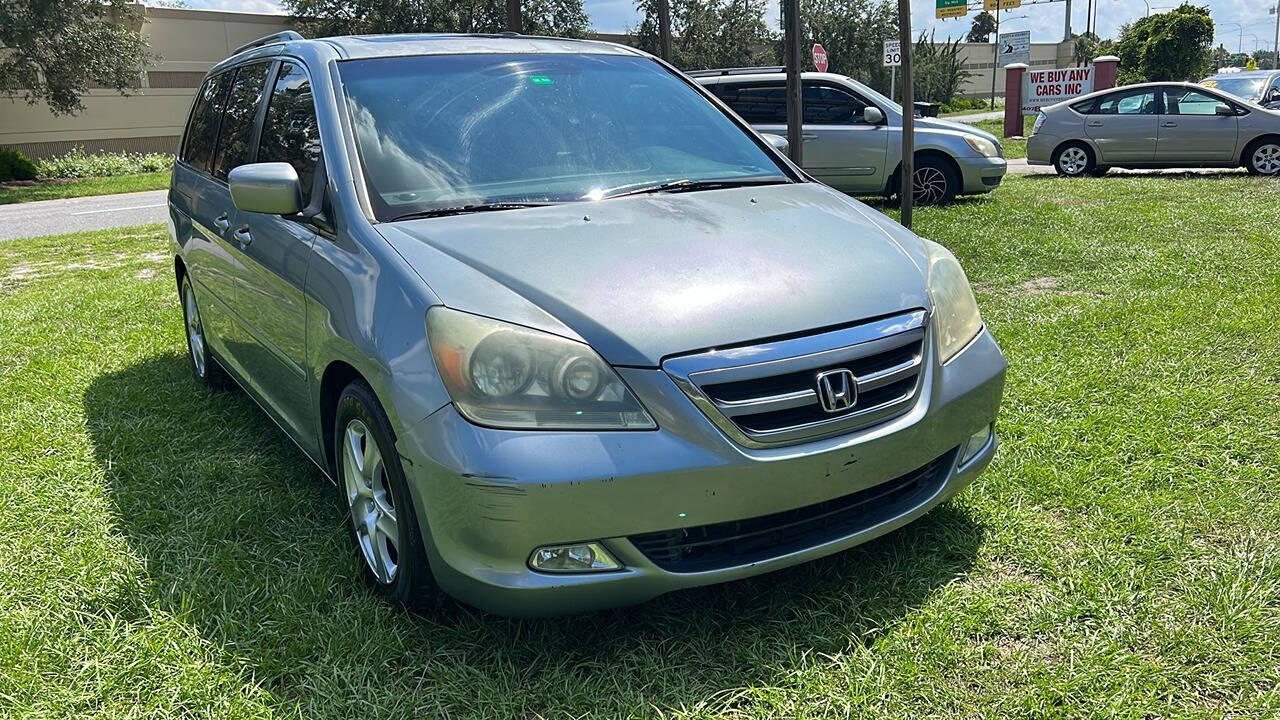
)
(165, 552)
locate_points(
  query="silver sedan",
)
(1156, 125)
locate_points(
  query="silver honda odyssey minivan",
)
(562, 330)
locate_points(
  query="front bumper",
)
(980, 174)
(487, 498)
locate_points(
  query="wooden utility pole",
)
(664, 29)
(795, 92)
(906, 187)
(514, 22)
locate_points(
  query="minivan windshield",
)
(1248, 87)
(494, 131)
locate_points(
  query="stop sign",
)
(819, 57)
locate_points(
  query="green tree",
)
(710, 33)
(1167, 46)
(939, 72)
(53, 52)
(853, 33)
(1089, 46)
(319, 18)
(984, 24)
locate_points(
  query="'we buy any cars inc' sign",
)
(1041, 88)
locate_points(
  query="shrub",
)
(964, 104)
(15, 166)
(78, 164)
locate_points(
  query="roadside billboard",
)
(1041, 88)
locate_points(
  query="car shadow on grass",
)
(243, 538)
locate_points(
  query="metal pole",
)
(514, 23)
(664, 29)
(907, 174)
(995, 58)
(893, 79)
(1066, 31)
(1275, 46)
(795, 94)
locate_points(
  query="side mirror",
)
(1224, 109)
(872, 115)
(778, 142)
(270, 188)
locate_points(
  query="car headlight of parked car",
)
(508, 376)
(982, 146)
(955, 311)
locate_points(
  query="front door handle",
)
(1095, 123)
(808, 136)
(1170, 124)
(243, 236)
(222, 222)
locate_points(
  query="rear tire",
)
(1074, 160)
(381, 520)
(1263, 157)
(204, 367)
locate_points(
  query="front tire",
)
(206, 370)
(1074, 160)
(382, 523)
(1263, 158)
(933, 182)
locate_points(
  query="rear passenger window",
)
(237, 121)
(202, 133)
(290, 132)
(759, 105)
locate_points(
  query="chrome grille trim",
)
(889, 352)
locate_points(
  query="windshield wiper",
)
(690, 185)
(463, 209)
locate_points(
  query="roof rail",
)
(736, 71)
(283, 36)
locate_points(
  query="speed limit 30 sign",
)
(892, 53)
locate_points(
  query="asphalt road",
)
(51, 217)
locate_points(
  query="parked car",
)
(1155, 125)
(564, 332)
(1258, 86)
(853, 135)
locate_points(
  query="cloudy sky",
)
(1045, 21)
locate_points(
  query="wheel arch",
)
(1249, 146)
(179, 271)
(337, 375)
(930, 152)
(1087, 145)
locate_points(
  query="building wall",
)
(189, 42)
(150, 118)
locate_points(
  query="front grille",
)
(741, 542)
(767, 394)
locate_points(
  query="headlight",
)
(508, 376)
(982, 146)
(955, 311)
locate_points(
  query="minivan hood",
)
(644, 277)
(939, 124)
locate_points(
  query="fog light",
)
(975, 443)
(582, 557)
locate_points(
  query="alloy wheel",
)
(1073, 161)
(1266, 159)
(369, 497)
(195, 331)
(928, 186)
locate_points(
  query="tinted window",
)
(439, 131)
(1138, 102)
(831, 106)
(290, 132)
(202, 135)
(1179, 101)
(237, 121)
(760, 104)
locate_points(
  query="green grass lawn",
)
(166, 552)
(82, 187)
(1012, 148)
